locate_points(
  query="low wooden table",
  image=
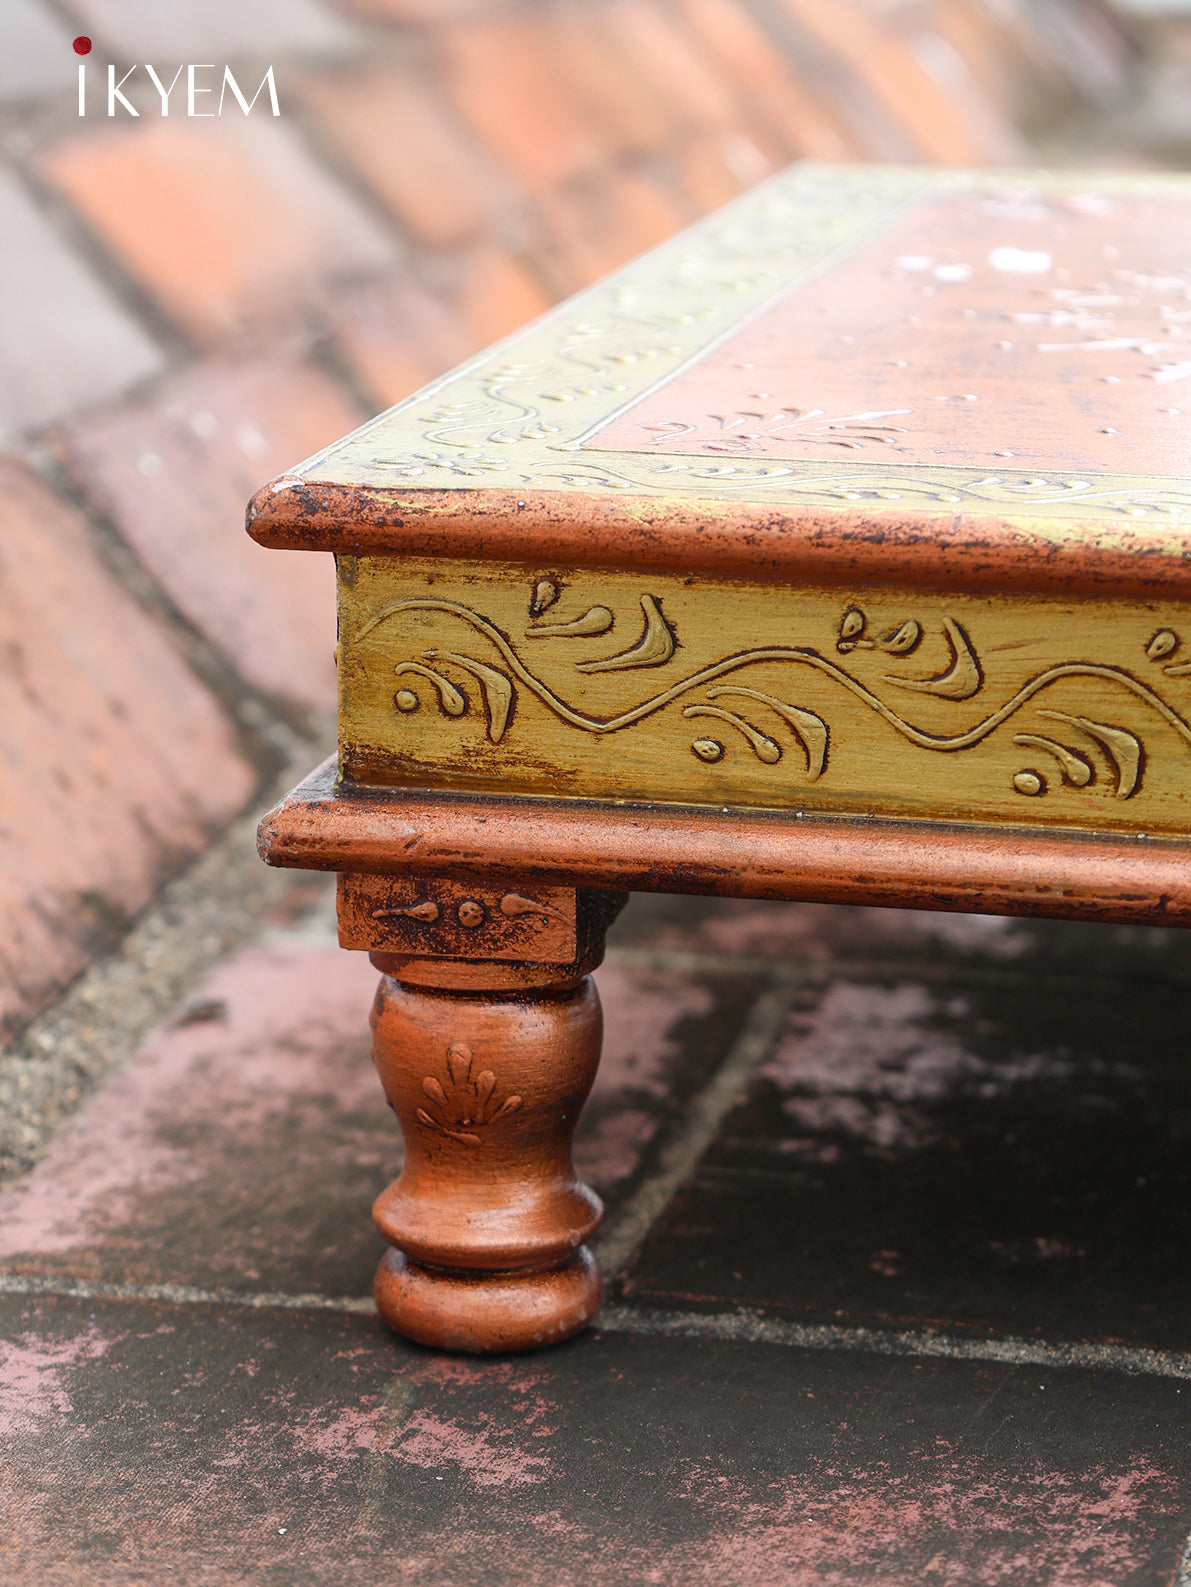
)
(836, 550)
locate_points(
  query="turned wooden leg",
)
(487, 1218)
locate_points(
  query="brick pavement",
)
(897, 1203)
(896, 1208)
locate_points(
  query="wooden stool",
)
(836, 550)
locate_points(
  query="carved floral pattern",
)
(465, 1104)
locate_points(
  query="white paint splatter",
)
(1021, 261)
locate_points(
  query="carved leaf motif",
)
(763, 746)
(1076, 769)
(544, 596)
(449, 698)
(653, 649)
(708, 749)
(961, 678)
(458, 1065)
(903, 639)
(426, 911)
(1163, 642)
(851, 627)
(434, 1091)
(1122, 748)
(596, 620)
(495, 688)
(808, 729)
(516, 904)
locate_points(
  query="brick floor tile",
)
(496, 294)
(214, 30)
(397, 337)
(175, 475)
(156, 1442)
(243, 1149)
(665, 1032)
(693, 84)
(71, 344)
(615, 95)
(117, 761)
(388, 124)
(595, 229)
(503, 80)
(892, 74)
(231, 227)
(1001, 1154)
(716, 167)
(910, 939)
(991, 51)
(728, 33)
(35, 52)
(837, 933)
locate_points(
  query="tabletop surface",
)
(1003, 358)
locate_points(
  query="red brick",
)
(496, 294)
(766, 81)
(991, 51)
(717, 166)
(597, 229)
(269, 1097)
(397, 337)
(951, 128)
(503, 79)
(606, 82)
(117, 761)
(71, 343)
(707, 180)
(230, 226)
(679, 73)
(404, 142)
(175, 477)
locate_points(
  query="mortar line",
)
(704, 1115)
(183, 1294)
(194, 921)
(737, 1327)
(747, 1327)
(1183, 1574)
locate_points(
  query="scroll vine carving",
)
(1103, 753)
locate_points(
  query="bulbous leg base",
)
(486, 1312)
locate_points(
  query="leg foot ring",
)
(482, 1312)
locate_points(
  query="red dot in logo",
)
(82, 45)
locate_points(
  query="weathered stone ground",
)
(898, 1223)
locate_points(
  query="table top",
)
(876, 373)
